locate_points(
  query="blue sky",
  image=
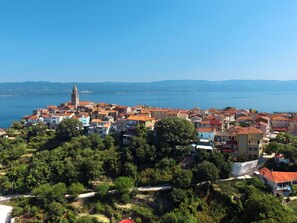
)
(147, 40)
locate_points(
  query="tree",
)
(68, 129)
(261, 207)
(102, 189)
(5, 185)
(178, 195)
(182, 178)
(272, 147)
(75, 189)
(175, 131)
(46, 194)
(123, 184)
(206, 171)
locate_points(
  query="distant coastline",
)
(20, 99)
(46, 88)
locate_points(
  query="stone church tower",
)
(75, 97)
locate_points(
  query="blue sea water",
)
(13, 107)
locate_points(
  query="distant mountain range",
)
(46, 88)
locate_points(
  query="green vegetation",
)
(52, 164)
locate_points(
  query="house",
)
(279, 123)
(134, 120)
(123, 109)
(213, 123)
(159, 113)
(264, 127)
(226, 141)
(244, 120)
(100, 127)
(250, 142)
(205, 133)
(33, 119)
(127, 221)
(84, 119)
(280, 182)
(293, 125)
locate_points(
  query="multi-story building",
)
(250, 142)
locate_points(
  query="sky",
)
(147, 40)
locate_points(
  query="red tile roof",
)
(278, 176)
(126, 221)
(248, 130)
(139, 118)
(279, 118)
(204, 129)
(215, 122)
(244, 118)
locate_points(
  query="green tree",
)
(5, 185)
(102, 189)
(272, 147)
(124, 184)
(46, 194)
(75, 189)
(261, 207)
(206, 171)
(182, 178)
(178, 195)
(68, 129)
(175, 131)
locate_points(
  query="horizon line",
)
(97, 82)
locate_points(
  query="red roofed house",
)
(206, 133)
(134, 120)
(213, 123)
(279, 182)
(279, 123)
(250, 142)
(127, 221)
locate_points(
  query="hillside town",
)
(242, 133)
(115, 155)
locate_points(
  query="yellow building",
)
(250, 142)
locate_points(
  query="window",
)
(258, 142)
(255, 149)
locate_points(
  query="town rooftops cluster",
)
(236, 131)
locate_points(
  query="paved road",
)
(90, 194)
(154, 189)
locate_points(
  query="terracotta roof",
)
(85, 103)
(279, 118)
(205, 122)
(96, 120)
(126, 221)
(215, 122)
(204, 129)
(106, 125)
(243, 118)
(278, 176)
(33, 117)
(139, 118)
(248, 130)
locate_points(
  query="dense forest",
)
(54, 167)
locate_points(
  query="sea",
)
(14, 107)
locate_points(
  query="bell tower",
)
(75, 97)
